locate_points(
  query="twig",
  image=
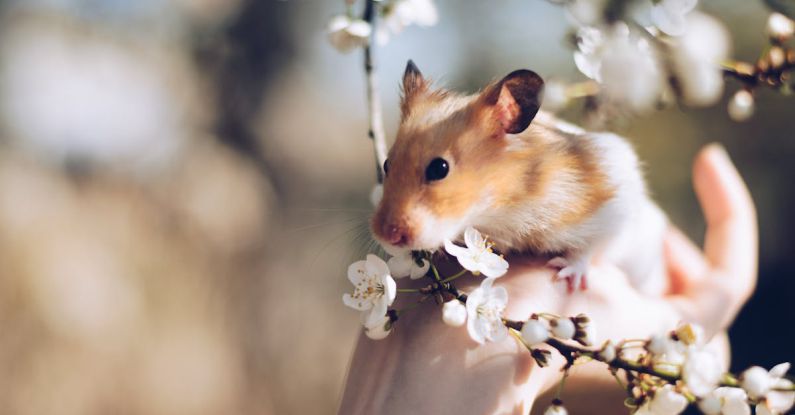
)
(772, 72)
(374, 113)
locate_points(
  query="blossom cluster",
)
(347, 33)
(665, 374)
(657, 52)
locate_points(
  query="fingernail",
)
(719, 152)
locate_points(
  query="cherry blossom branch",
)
(374, 112)
(772, 72)
(634, 370)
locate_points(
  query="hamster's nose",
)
(397, 235)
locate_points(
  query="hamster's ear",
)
(414, 85)
(514, 100)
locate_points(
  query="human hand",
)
(427, 367)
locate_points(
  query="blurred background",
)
(184, 182)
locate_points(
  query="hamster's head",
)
(453, 162)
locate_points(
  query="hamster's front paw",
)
(573, 270)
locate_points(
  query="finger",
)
(686, 264)
(730, 243)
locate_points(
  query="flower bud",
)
(667, 401)
(454, 313)
(534, 332)
(556, 409)
(710, 405)
(657, 345)
(741, 106)
(380, 329)
(562, 328)
(756, 382)
(608, 352)
(347, 34)
(585, 332)
(780, 27)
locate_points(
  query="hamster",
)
(531, 183)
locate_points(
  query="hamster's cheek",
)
(432, 230)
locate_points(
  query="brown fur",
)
(469, 134)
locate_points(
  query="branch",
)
(772, 70)
(376, 122)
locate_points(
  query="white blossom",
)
(563, 328)
(741, 106)
(725, 401)
(666, 351)
(478, 256)
(630, 72)
(376, 194)
(377, 329)
(403, 264)
(485, 306)
(556, 409)
(701, 371)
(534, 332)
(585, 330)
(347, 34)
(696, 57)
(454, 313)
(374, 290)
(589, 48)
(758, 383)
(624, 63)
(608, 352)
(780, 27)
(555, 95)
(669, 15)
(780, 401)
(667, 401)
(402, 13)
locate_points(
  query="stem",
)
(376, 122)
(408, 290)
(457, 275)
(436, 273)
(562, 384)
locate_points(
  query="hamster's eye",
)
(386, 166)
(437, 169)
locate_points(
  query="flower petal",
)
(670, 22)
(499, 295)
(376, 313)
(498, 331)
(453, 249)
(400, 266)
(780, 370)
(357, 272)
(419, 272)
(474, 329)
(473, 239)
(493, 265)
(469, 261)
(355, 304)
(376, 266)
(390, 289)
